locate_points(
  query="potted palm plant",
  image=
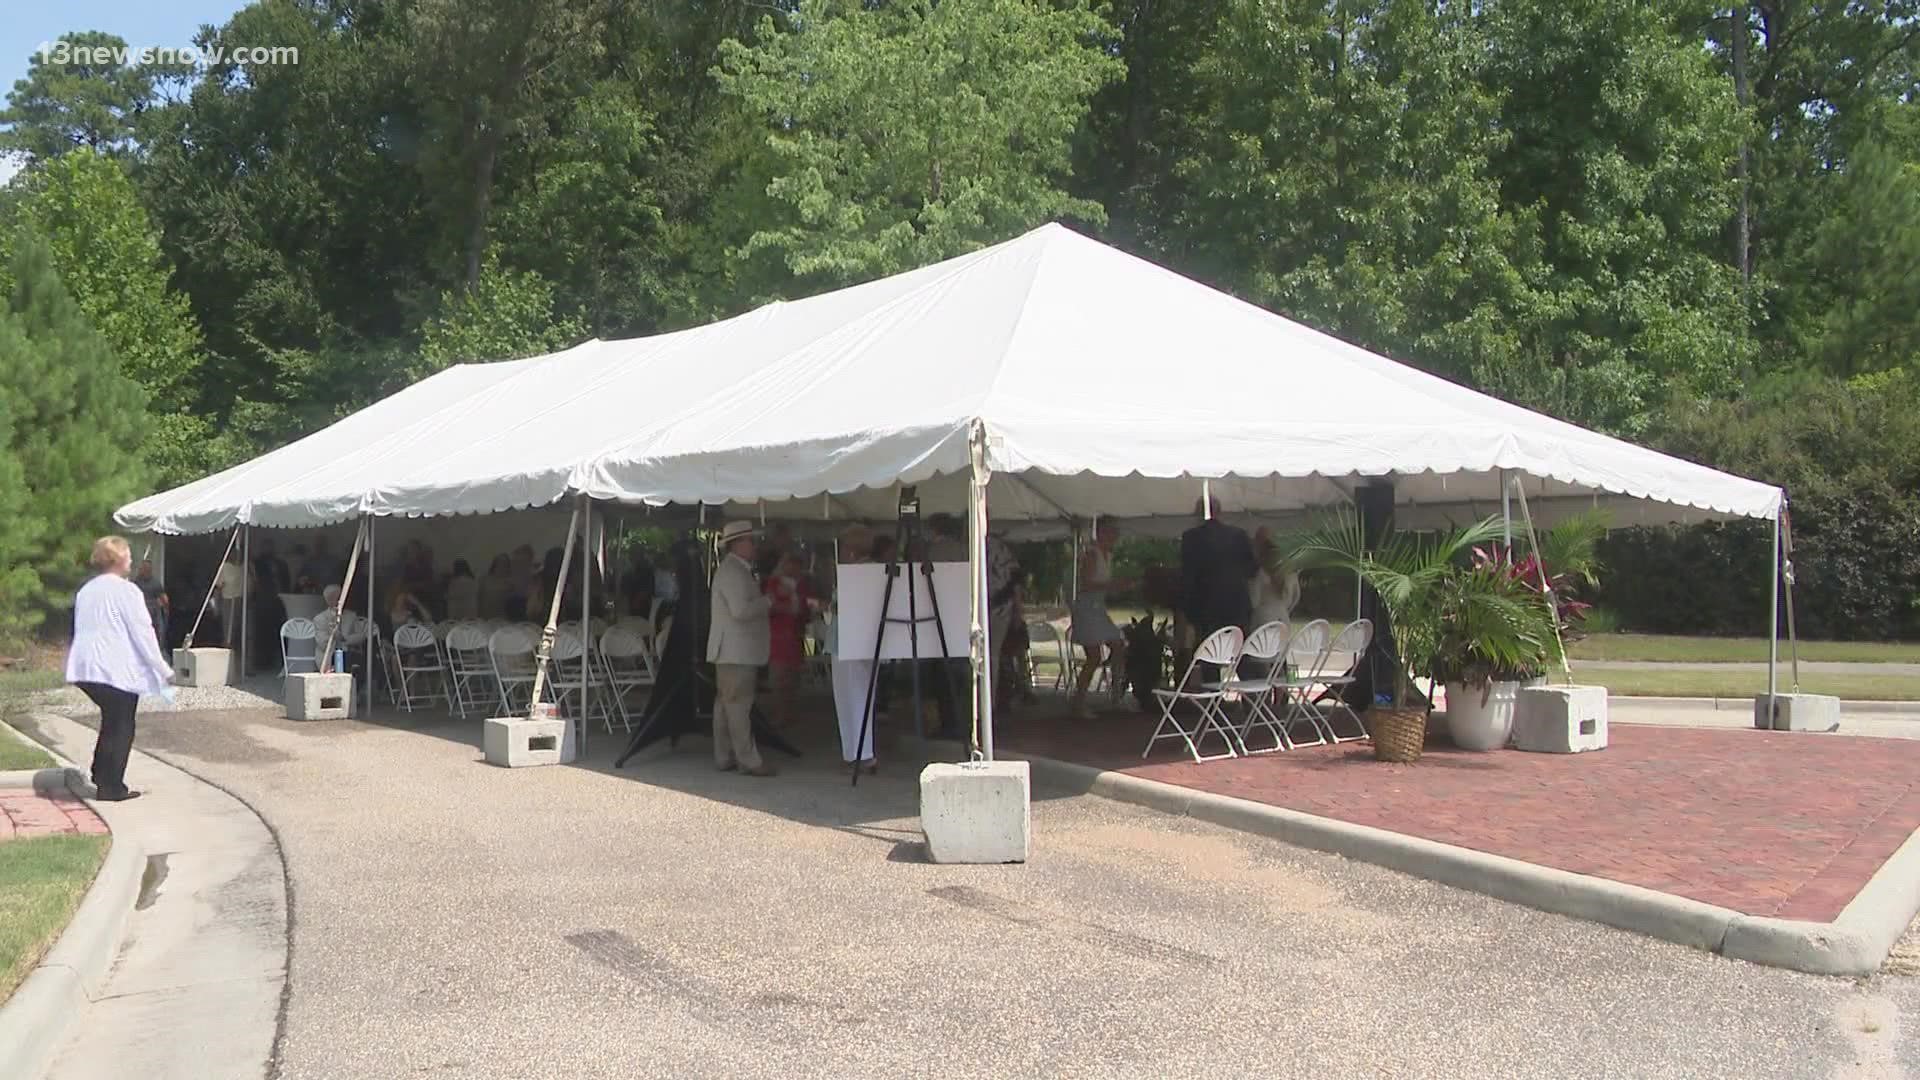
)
(1492, 634)
(1408, 571)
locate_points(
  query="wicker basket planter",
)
(1399, 734)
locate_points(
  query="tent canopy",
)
(1105, 385)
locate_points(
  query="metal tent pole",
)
(325, 663)
(246, 576)
(1786, 580)
(977, 554)
(545, 654)
(1506, 511)
(586, 622)
(1773, 617)
(373, 623)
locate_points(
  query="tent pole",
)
(1773, 618)
(978, 643)
(544, 655)
(1506, 512)
(373, 623)
(1206, 499)
(246, 577)
(207, 601)
(1786, 580)
(1073, 539)
(325, 658)
(586, 622)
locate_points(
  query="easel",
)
(906, 537)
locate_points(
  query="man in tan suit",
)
(737, 645)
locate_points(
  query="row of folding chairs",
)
(1274, 676)
(599, 667)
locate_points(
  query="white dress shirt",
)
(113, 641)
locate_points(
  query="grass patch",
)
(17, 753)
(42, 879)
(29, 682)
(1745, 684)
(1675, 649)
(15, 686)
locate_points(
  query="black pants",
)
(115, 741)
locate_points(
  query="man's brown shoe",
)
(761, 770)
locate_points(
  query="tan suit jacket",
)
(739, 633)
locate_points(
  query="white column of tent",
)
(589, 550)
(1773, 615)
(373, 624)
(977, 641)
(246, 576)
(1506, 511)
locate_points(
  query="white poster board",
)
(858, 618)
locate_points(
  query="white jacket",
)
(739, 633)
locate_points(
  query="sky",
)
(159, 23)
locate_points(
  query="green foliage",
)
(900, 134)
(1489, 626)
(67, 101)
(1849, 457)
(72, 429)
(505, 316)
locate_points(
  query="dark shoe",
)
(121, 797)
(728, 767)
(761, 770)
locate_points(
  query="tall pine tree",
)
(72, 424)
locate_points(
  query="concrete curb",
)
(42, 781)
(1745, 704)
(34, 1022)
(1855, 944)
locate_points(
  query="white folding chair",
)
(1047, 645)
(628, 659)
(511, 650)
(1221, 649)
(1078, 654)
(470, 667)
(298, 647)
(1306, 655)
(1266, 648)
(575, 678)
(1344, 654)
(423, 676)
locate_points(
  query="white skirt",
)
(850, 679)
(1091, 623)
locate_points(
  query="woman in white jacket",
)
(852, 678)
(114, 659)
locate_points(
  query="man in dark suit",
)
(1216, 565)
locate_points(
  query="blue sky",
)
(141, 22)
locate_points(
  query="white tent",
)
(1093, 382)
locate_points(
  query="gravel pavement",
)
(455, 919)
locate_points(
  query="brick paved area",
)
(1781, 824)
(24, 813)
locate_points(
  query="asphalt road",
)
(454, 919)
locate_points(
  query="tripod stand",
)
(906, 542)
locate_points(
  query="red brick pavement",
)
(24, 813)
(1766, 823)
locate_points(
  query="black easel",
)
(906, 538)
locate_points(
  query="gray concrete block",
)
(1796, 712)
(1560, 719)
(313, 696)
(977, 812)
(202, 667)
(517, 742)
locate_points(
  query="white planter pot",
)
(1481, 717)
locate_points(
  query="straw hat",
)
(734, 531)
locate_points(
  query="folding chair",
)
(1077, 653)
(469, 667)
(1221, 649)
(574, 676)
(511, 649)
(416, 656)
(1265, 647)
(1352, 641)
(628, 659)
(298, 647)
(1306, 656)
(1047, 645)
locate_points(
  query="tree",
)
(506, 316)
(901, 134)
(71, 99)
(1342, 175)
(1623, 140)
(75, 424)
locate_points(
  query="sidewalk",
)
(195, 991)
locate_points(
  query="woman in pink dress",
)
(792, 600)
